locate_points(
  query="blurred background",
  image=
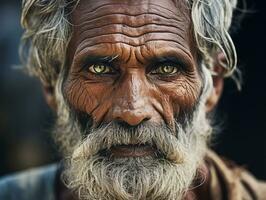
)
(26, 121)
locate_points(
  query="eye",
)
(100, 69)
(165, 70)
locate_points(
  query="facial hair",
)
(93, 173)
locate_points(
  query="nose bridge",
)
(131, 104)
(133, 90)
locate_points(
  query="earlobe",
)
(50, 96)
(218, 83)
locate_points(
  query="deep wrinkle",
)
(141, 38)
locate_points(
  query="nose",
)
(131, 117)
(132, 102)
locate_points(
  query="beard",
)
(93, 173)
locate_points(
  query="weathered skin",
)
(141, 36)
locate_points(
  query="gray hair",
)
(48, 32)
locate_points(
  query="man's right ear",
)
(49, 94)
(218, 82)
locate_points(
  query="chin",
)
(130, 178)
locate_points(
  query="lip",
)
(132, 150)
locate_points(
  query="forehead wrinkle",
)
(97, 8)
(126, 9)
(176, 29)
(137, 36)
(92, 26)
(124, 52)
(90, 18)
(129, 12)
(131, 31)
(88, 42)
(128, 23)
(132, 18)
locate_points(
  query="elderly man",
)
(132, 83)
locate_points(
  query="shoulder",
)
(238, 183)
(32, 184)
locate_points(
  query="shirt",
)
(33, 184)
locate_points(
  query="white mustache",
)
(160, 137)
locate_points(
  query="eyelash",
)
(164, 64)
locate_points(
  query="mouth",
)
(132, 150)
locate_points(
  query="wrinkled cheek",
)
(94, 101)
(80, 96)
(183, 98)
(168, 111)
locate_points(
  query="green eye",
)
(100, 69)
(165, 70)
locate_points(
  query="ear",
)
(49, 95)
(218, 82)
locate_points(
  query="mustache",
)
(168, 143)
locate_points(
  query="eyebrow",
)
(162, 59)
(98, 59)
(106, 59)
(94, 59)
(164, 55)
(169, 59)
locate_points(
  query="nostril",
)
(146, 119)
(131, 120)
(124, 124)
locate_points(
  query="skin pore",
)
(133, 63)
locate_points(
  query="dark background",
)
(26, 121)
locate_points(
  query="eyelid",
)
(180, 63)
(159, 65)
(111, 70)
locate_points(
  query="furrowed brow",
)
(99, 59)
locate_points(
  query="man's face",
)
(133, 72)
(132, 62)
